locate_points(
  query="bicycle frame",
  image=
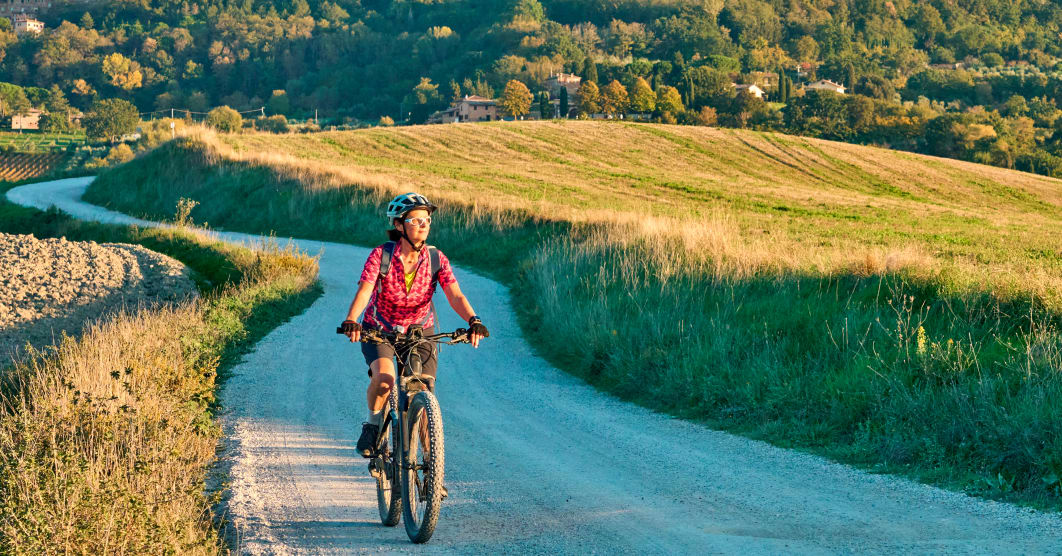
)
(408, 378)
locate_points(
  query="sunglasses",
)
(419, 222)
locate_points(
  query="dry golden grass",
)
(105, 440)
(749, 201)
(813, 293)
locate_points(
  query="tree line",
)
(352, 60)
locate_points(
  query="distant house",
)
(469, 109)
(826, 85)
(29, 120)
(27, 24)
(8, 8)
(751, 89)
(568, 81)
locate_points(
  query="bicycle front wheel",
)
(388, 493)
(422, 470)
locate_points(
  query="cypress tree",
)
(564, 102)
(589, 70)
(544, 107)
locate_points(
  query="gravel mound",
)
(50, 285)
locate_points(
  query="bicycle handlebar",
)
(376, 336)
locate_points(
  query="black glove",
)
(349, 327)
(475, 326)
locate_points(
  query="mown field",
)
(891, 310)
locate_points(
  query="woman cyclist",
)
(402, 299)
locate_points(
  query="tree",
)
(818, 113)
(56, 122)
(224, 119)
(643, 99)
(874, 86)
(614, 98)
(516, 99)
(122, 72)
(278, 103)
(528, 9)
(589, 98)
(564, 108)
(56, 102)
(86, 21)
(545, 109)
(992, 60)
(806, 49)
(110, 119)
(669, 100)
(589, 70)
(423, 100)
(13, 99)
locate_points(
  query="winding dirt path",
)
(538, 462)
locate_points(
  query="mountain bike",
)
(410, 477)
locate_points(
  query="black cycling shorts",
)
(428, 356)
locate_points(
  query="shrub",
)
(706, 116)
(387, 121)
(273, 124)
(224, 119)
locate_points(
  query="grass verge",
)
(881, 357)
(105, 440)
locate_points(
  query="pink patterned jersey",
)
(392, 305)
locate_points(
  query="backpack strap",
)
(433, 253)
(435, 264)
(385, 263)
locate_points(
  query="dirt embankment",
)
(49, 285)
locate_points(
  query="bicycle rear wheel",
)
(422, 470)
(388, 489)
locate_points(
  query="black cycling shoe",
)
(367, 442)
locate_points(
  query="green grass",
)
(916, 334)
(105, 440)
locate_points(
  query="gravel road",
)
(48, 286)
(538, 462)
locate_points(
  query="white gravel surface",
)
(539, 462)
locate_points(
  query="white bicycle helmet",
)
(406, 202)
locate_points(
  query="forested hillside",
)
(909, 62)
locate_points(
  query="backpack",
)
(385, 265)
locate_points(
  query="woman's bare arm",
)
(361, 300)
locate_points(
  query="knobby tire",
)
(420, 516)
(388, 489)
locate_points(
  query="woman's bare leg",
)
(383, 380)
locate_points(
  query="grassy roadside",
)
(899, 357)
(105, 440)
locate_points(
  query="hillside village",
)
(569, 104)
